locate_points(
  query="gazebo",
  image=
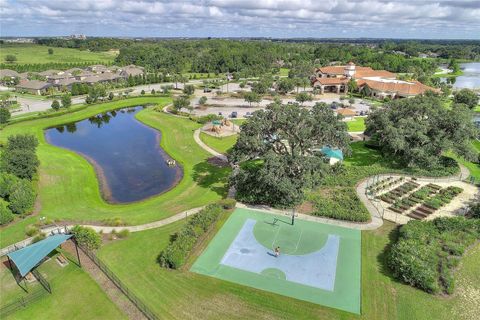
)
(30, 257)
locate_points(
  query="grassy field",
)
(68, 186)
(186, 295)
(74, 295)
(38, 54)
(219, 144)
(356, 125)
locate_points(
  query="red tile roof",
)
(331, 81)
(346, 112)
(403, 88)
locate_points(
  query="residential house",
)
(8, 77)
(33, 86)
(131, 70)
(98, 68)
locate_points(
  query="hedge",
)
(427, 252)
(181, 244)
(6, 214)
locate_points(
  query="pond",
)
(470, 78)
(128, 160)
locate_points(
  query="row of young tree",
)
(39, 67)
(18, 167)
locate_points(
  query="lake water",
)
(471, 76)
(128, 160)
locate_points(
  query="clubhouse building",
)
(375, 83)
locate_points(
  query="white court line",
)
(275, 239)
(296, 247)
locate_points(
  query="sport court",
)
(318, 263)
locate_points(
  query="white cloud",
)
(297, 18)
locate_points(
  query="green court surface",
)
(311, 267)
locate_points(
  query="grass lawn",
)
(356, 125)
(74, 295)
(284, 72)
(38, 54)
(68, 187)
(186, 295)
(15, 231)
(219, 144)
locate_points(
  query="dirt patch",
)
(307, 207)
(218, 162)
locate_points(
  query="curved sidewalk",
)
(196, 137)
(375, 223)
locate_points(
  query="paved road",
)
(226, 106)
(36, 105)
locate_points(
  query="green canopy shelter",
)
(28, 258)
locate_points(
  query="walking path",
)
(376, 222)
(196, 137)
(105, 229)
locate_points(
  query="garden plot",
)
(421, 199)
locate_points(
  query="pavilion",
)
(30, 257)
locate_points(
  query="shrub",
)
(202, 100)
(7, 181)
(22, 197)
(31, 230)
(228, 203)
(474, 211)
(206, 119)
(55, 105)
(123, 233)
(20, 162)
(87, 237)
(6, 214)
(22, 141)
(4, 115)
(427, 251)
(39, 237)
(182, 242)
(115, 222)
(339, 203)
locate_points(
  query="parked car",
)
(206, 90)
(234, 114)
(220, 114)
(248, 115)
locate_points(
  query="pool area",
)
(126, 154)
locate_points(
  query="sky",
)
(441, 19)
